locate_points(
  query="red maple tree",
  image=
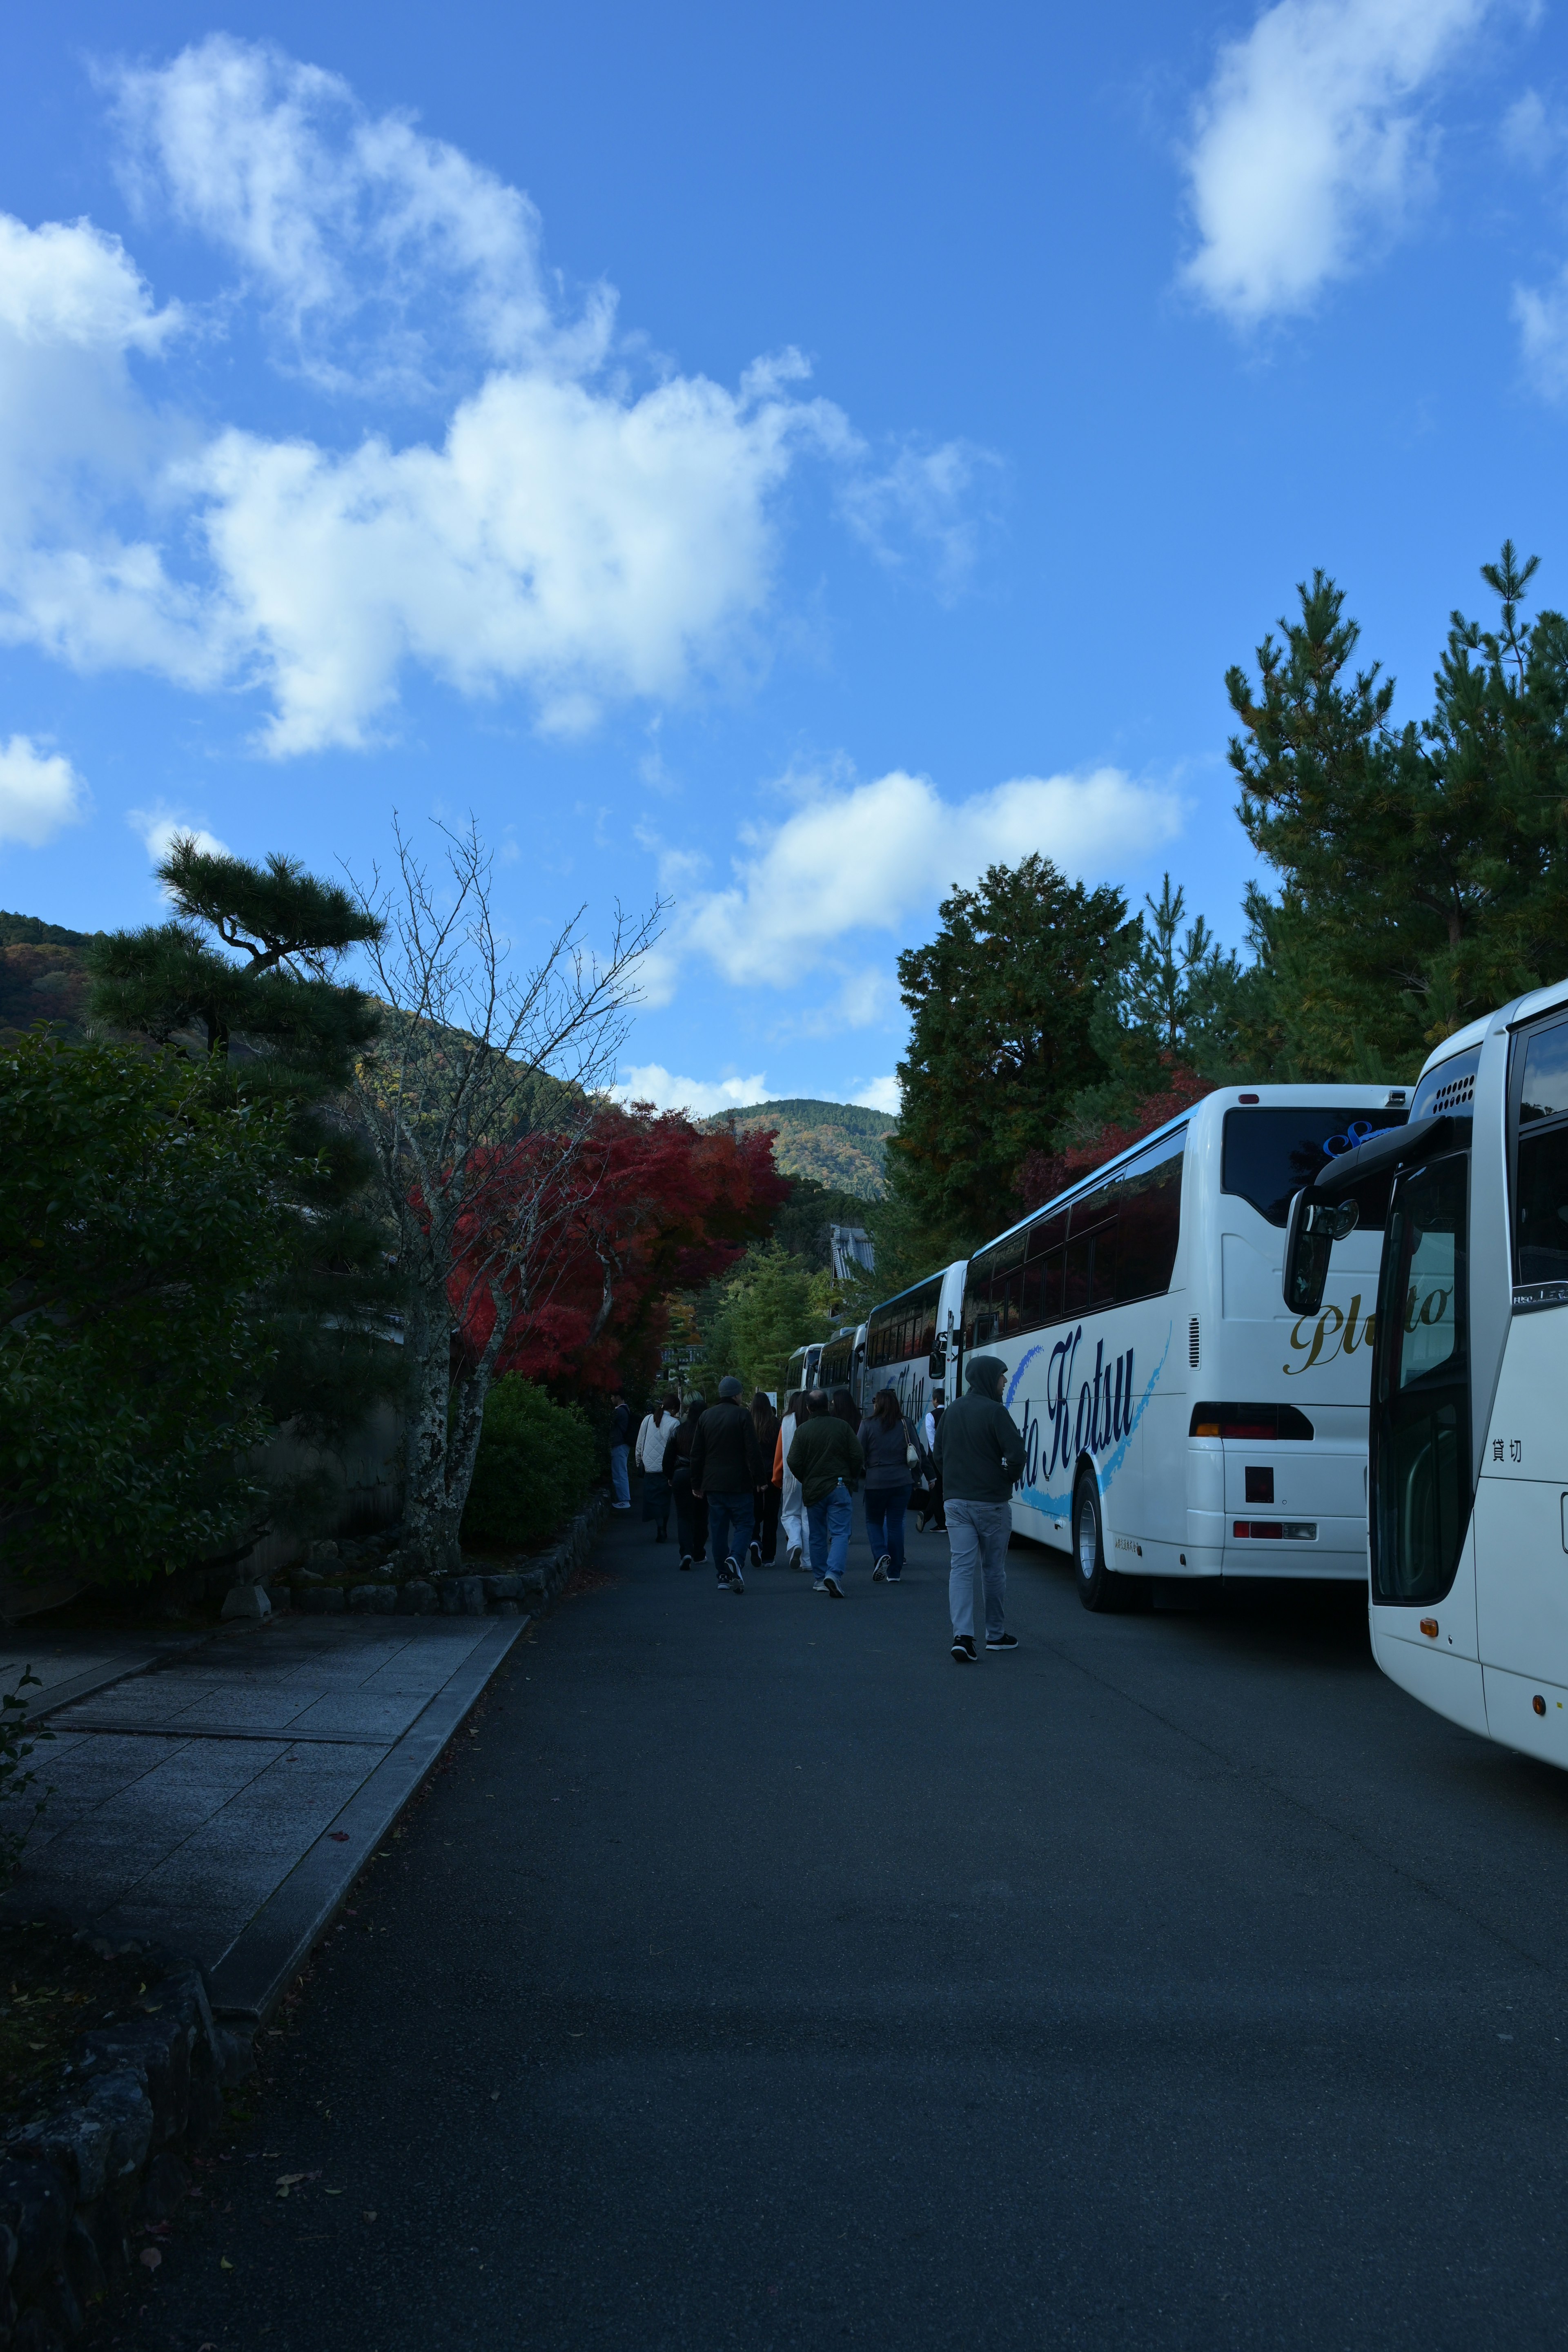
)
(648, 1204)
(1044, 1174)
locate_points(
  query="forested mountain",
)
(42, 977)
(840, 1145)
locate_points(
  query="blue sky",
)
(784, 459)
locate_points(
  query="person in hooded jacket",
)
(980, 1453)
(691, 1510)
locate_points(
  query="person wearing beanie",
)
(727, 1469)
(980, 1454)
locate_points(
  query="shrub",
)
(17, 1741)
(535, 1465)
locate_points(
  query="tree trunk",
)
(430, 1520)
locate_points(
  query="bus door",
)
(1521, 1500)
(1420, 1467)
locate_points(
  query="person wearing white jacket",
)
(657, 1429)
(791, 1503)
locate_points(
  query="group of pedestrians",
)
(736, 1476)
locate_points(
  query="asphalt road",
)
(758, 1978)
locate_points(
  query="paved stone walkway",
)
(184, 1795)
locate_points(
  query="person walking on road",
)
(825, 1458)
(691, 1510)
(928, 1509)
(657, 1429)
(792, 1504)
(620, 1448)
(726, 1471)
(980, 1454)
(765, 1501)
(885, 1443)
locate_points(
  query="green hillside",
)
(42, 976)
(838, 1144)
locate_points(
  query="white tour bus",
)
(912, 1340)
(1467, 1523)
(1178, 1422)
(801, 1371)
(842, 1361)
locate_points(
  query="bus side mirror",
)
(936, 1363)
(1314, 1227)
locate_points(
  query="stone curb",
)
(140, 2096)
(252, 1976)
(504, 1595)
(109, 2156)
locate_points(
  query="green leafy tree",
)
(244, 977)
(752, 1319)
(1422, 874)
(1002, 1003)
(142, 1215)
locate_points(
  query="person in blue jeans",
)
(620, 1454)
(885, 1443)
(825, 1456)
(727, 1469)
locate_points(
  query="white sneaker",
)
(879, 1574)
(830, 1584)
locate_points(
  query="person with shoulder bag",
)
(890, 1478)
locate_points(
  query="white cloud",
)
(1531, 133)
(40, 793)
(863, 860)
(651, 1082)
(1309, 141)
(1541, 314)
(160, 827)
(564, 532)
(370, 241)
(882, 1094)
(926, 500)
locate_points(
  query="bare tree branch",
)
(477, 1104)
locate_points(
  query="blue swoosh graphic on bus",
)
(1023, 1367)
(1059, 1506)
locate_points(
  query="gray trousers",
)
(977, 1534)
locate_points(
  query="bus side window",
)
(1541, 1207)
(1150, 1230)
(1075, 1297)
(1102, 1291)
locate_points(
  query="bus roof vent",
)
(1193, 1343)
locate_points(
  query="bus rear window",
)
(1269, 1155)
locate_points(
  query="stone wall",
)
(107, 2159)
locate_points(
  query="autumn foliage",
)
(1045, 1174)
(647, 1205)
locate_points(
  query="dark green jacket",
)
(979, 1445)
(824, 1450)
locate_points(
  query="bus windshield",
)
(1270, 1155)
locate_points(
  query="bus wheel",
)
(1096, 1585)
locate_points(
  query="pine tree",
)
(243, 978)
(1421, 868)
(1001, 1004)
